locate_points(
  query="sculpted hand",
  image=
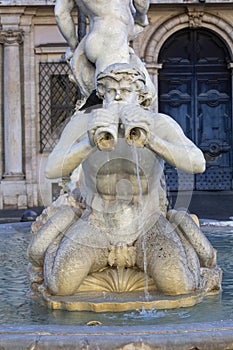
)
(69, 54)
(138, 124)
(103, 129)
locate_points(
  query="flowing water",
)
(17, 308)
(137, 173)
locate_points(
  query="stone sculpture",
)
(112, 25)
(111, 230)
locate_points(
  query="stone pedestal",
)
(118, 290)
(120, 302)
(13, 193)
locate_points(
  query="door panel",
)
(175, 96)
(195, 89)
(214, 133)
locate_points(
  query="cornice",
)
(27, 2)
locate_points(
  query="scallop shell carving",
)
(117, 280)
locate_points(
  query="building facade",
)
(188, 51)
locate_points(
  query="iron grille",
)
(218, 179)
(58, 97)
(177, 180)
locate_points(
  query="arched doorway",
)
(195, 89)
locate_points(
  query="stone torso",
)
(119, 188)
(111, 24)
(118, 9)
(103, 170)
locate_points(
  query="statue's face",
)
(119, 91)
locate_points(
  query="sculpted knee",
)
(178, 286)
(173, 279)
(60, 288)
(65, 283)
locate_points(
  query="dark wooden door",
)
(195, 89)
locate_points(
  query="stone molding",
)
(27, 2)
(199, 18)
(195, 17)
(190, 1)
(153, 67)
(216, 335)
(11, 37)
(45, 50)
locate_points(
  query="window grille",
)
(58, 97)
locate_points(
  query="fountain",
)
(26, 323)
(111, 231)
(108, 243)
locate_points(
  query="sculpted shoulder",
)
(107, 8)
(166, 125)
(75, 129)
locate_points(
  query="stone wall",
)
(27, 2)
(29, 35)
(23, 30)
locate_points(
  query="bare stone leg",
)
(50, 231)
(165, 259)
(187, 227)
(83, 70)
(68, 263)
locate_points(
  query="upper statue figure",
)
(112, 24)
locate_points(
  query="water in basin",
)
(18, 308)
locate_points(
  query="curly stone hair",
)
(133, 75)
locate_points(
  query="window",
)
(58, 97)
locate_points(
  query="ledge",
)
(209, 335)
(50, 49)
(9, 3)
(27, 2)
(187, 2)
(52, 2)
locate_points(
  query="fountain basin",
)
(25, 324)
(211, 336)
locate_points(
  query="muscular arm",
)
(141, 7)
(71, 150)
(63, 13)
(170, 143)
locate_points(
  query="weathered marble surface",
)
(112, 24)
(116, 215)
(119, 302)
(211, 335)
(27, 2)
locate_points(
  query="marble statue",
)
(118, 153)
(110, 230)
(112, 25)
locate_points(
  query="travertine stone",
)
(27, 2)
(119, 302)
(122, 220)
(12, 103)
(1, 116)
(110, 229)
(112, 25)
(14, 193)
